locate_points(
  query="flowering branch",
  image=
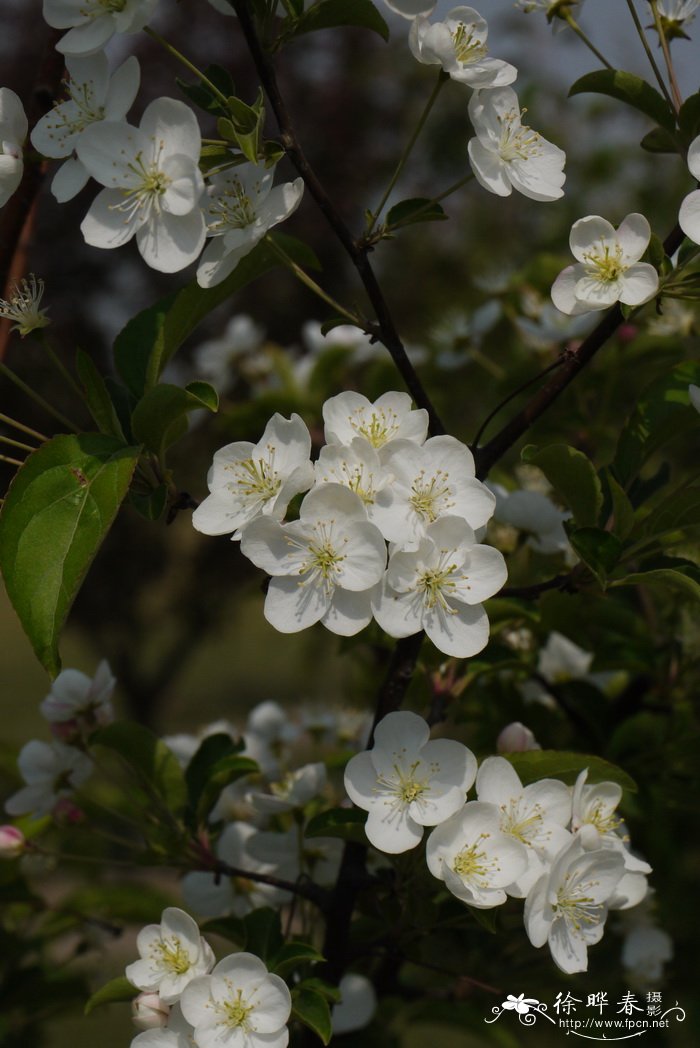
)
(306, 888)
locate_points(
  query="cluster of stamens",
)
(169, 954)
(605, 264)
(467, 48)
(429, 498)
(256, 479)
(379, 429)
(518, 141)
(472, 863)
(231, 209)
(575, 907)
(145, 195)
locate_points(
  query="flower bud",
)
(516, 738)
(12, 842)
(148, 1012)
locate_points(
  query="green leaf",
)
(263, 933)
(160, 417)
(599, 550)
(212, 750)
(292, 955)
(664, 579)
(573, 476)
(155, 765)
(663, 412)
(230, 928)
(689, 118)
(627, 87)
(418, 209)
(97, 398)
(622, 508)
(555, 764)
(658, 140)
(146, 344)
(119, 989)
(325, 989)
(678, 511)
(346, 823)
(58, 509)
(222, 774)
(312, 1009)
(202, 95)
(331, 14)
(151, 505)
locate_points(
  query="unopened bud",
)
(148, 1012)
(12, 842)
(516, 738)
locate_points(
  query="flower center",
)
(380, 427)
(236, 1012)
(354, 478)
(429, 497)
(404, 787)
(467, 49)
(435, 583)
(255, 479)
(577, 908)
(605, 264)
(23, 307)
(605, 821)
(521, 825)
(169, 954)
(321, 561)
(143, 197)
(231, 209)
(472, 864)
(518, 141)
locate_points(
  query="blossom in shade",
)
(13, 131)
(250, 480)
(93, 95)
(440, 587)
(172, 953)
(507, 154)
(595, 819)
(694, 395)
(645, 950)
(324, 566)
(357, 1005)
(516, 738)
(74, 695)
(51, 771)
(411, 8)
(536, 515)
(458, 44)
(674, 13)
(689, 215)
(90, 25)
(607, 267)
(240, 1005)
(175, 1032)
(474, 858)
(295, 790)
(148, 1012)
(153, 184)
(561, 660)
(408, 781)
(218, 359)
(24, 306)
(568, 905)
(241, 206)
(391, 417)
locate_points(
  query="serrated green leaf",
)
(116, 990)
(346, 823)
(146, 344)
(599, 550)
(629, 88)
(292, 955)
(154, 764)
(664, 579)
(573, 476)
(333, 14)
(418, 209)
(57, 512)
(312, 1009)
(554, 764)
(97, 398)
(160, 417)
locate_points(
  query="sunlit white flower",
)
(215, 360)
(13, 131)
(295, 790)
(595, 818)
(458, 44)
(357, 1005)
(75, 695)
(241, 206)
(91, 24)
(251, 480)
(51, 771)
(391, 417)
(172, 953)
(324, 566)
(516, 738)
(356, 466)
(507, 154)
(440, 588)
(475, 860)
(568, 905)
(607, 268)
(408, 781)
(536, 815)
(429, 482)
(561, 660)
(153, 184)
(240, 1005)
(536, 515)
(93, 95)
(689, 214)
(24, 306)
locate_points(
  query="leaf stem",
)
(11, 461)
(37, 398)
(652, 61)
(59, 365)
(16, 443)
(22, 428)
(663, 39)
(573, 24)
(309, 282)
(188, 65)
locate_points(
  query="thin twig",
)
(663, 39)
(304, 887)
(576, 28)
(516, 392)
(22, 428)
(650, 55)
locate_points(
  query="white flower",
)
(325, 565)
(356, 466)
(694, 394)
(411, 8)
(148, 1012)
(24, 307)
(51, 771)
(536, 815)
(429, 482)
(214, 360)
(391, 417)
(516, 738)
(645, 950)
(240, 1005)
(607, 268)
(678, 11)
(13, 131)
(73, 694)
(408, 781)
(476, 861)
(172, 953)
(241, 206)
(153, 182)
(440, 587)
(569, 904)
(535, 514)
(176, 1033)
(342, 336)
(357, 1005)
(91, 24)
(561, 660)
(507, 154)
(594, 818)
(248, 480)
(689, 215)
(295, 790)
(549, 327)
(93, 95)
(458, 44)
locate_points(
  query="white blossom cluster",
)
(562, 850)
(377, 481)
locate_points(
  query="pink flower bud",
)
(65, 811)
(148, 1012)
(65, 731)
(12, 842)
(516, 738)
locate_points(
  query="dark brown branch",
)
(304, 887)
(559, 582)
(388, 334)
